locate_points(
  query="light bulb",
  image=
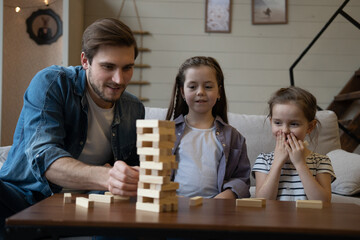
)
(17, 9)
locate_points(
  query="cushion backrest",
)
(257, 131)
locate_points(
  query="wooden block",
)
(84, 202)
(118, 198)
(155, 123)
(161, 131)
(151, 158)
(168, 200)
(101, 198)
(67, 197)
(317, 204)
(154, 151)
(164, 173)
(155, 165)
(155, 144)
(154, 179)
(152, 207)
(155, 193)
(196, 201)
(156, 137)
(250, 202)
(165, 187)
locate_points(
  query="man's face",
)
(109, 73)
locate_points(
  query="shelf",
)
(142, 66)
(141, 49)
(144, 99)
(141, 32)
(139, 83)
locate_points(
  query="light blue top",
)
(53, 124)
(200, 153)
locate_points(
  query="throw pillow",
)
(347, 170)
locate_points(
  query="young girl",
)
(292, 172)
(212, 155)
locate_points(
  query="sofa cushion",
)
(347, 170)
(257, 131)
(3, 154)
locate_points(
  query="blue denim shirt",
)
(234, 168)
(53, 124)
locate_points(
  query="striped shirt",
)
(290, 185)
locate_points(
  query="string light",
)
(18, 8)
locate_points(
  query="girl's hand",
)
(296, 150)
(281, 155)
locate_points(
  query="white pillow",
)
(347, 170)
(3, 154)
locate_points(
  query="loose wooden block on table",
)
(118, 198)
(316, 204)
(84, 202)
(195, 201)
(101, 198)
(250, 202)
(67, 197)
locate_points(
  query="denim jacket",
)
(53, 124)
(234, 166)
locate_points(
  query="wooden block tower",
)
(155, 140)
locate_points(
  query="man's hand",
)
(123, 179)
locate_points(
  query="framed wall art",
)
(44, 26)
(269, 11)
(218, 16)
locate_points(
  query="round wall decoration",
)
(44, 26)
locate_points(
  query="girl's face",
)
(289, 118)
(200, 90)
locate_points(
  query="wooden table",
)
(214, 219)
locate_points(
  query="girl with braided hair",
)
(212, 155)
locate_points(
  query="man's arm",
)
(120, 179)
(71, 173)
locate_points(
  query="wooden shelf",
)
(139, 83)
(141, 49)
(141, 32)
(142, 66)
(144, 99)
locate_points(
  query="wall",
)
(255, 58)
(22, 59)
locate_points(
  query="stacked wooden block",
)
(155, 140)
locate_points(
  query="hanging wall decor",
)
(44, 26)
(269, 12)
(218, 16)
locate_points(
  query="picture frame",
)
(269, 11)
(44, 26)
(218, 16)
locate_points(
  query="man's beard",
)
(98, 91)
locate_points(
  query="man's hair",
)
(106, 31)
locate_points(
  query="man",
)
(77, 128)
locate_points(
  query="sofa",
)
(256, 130)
